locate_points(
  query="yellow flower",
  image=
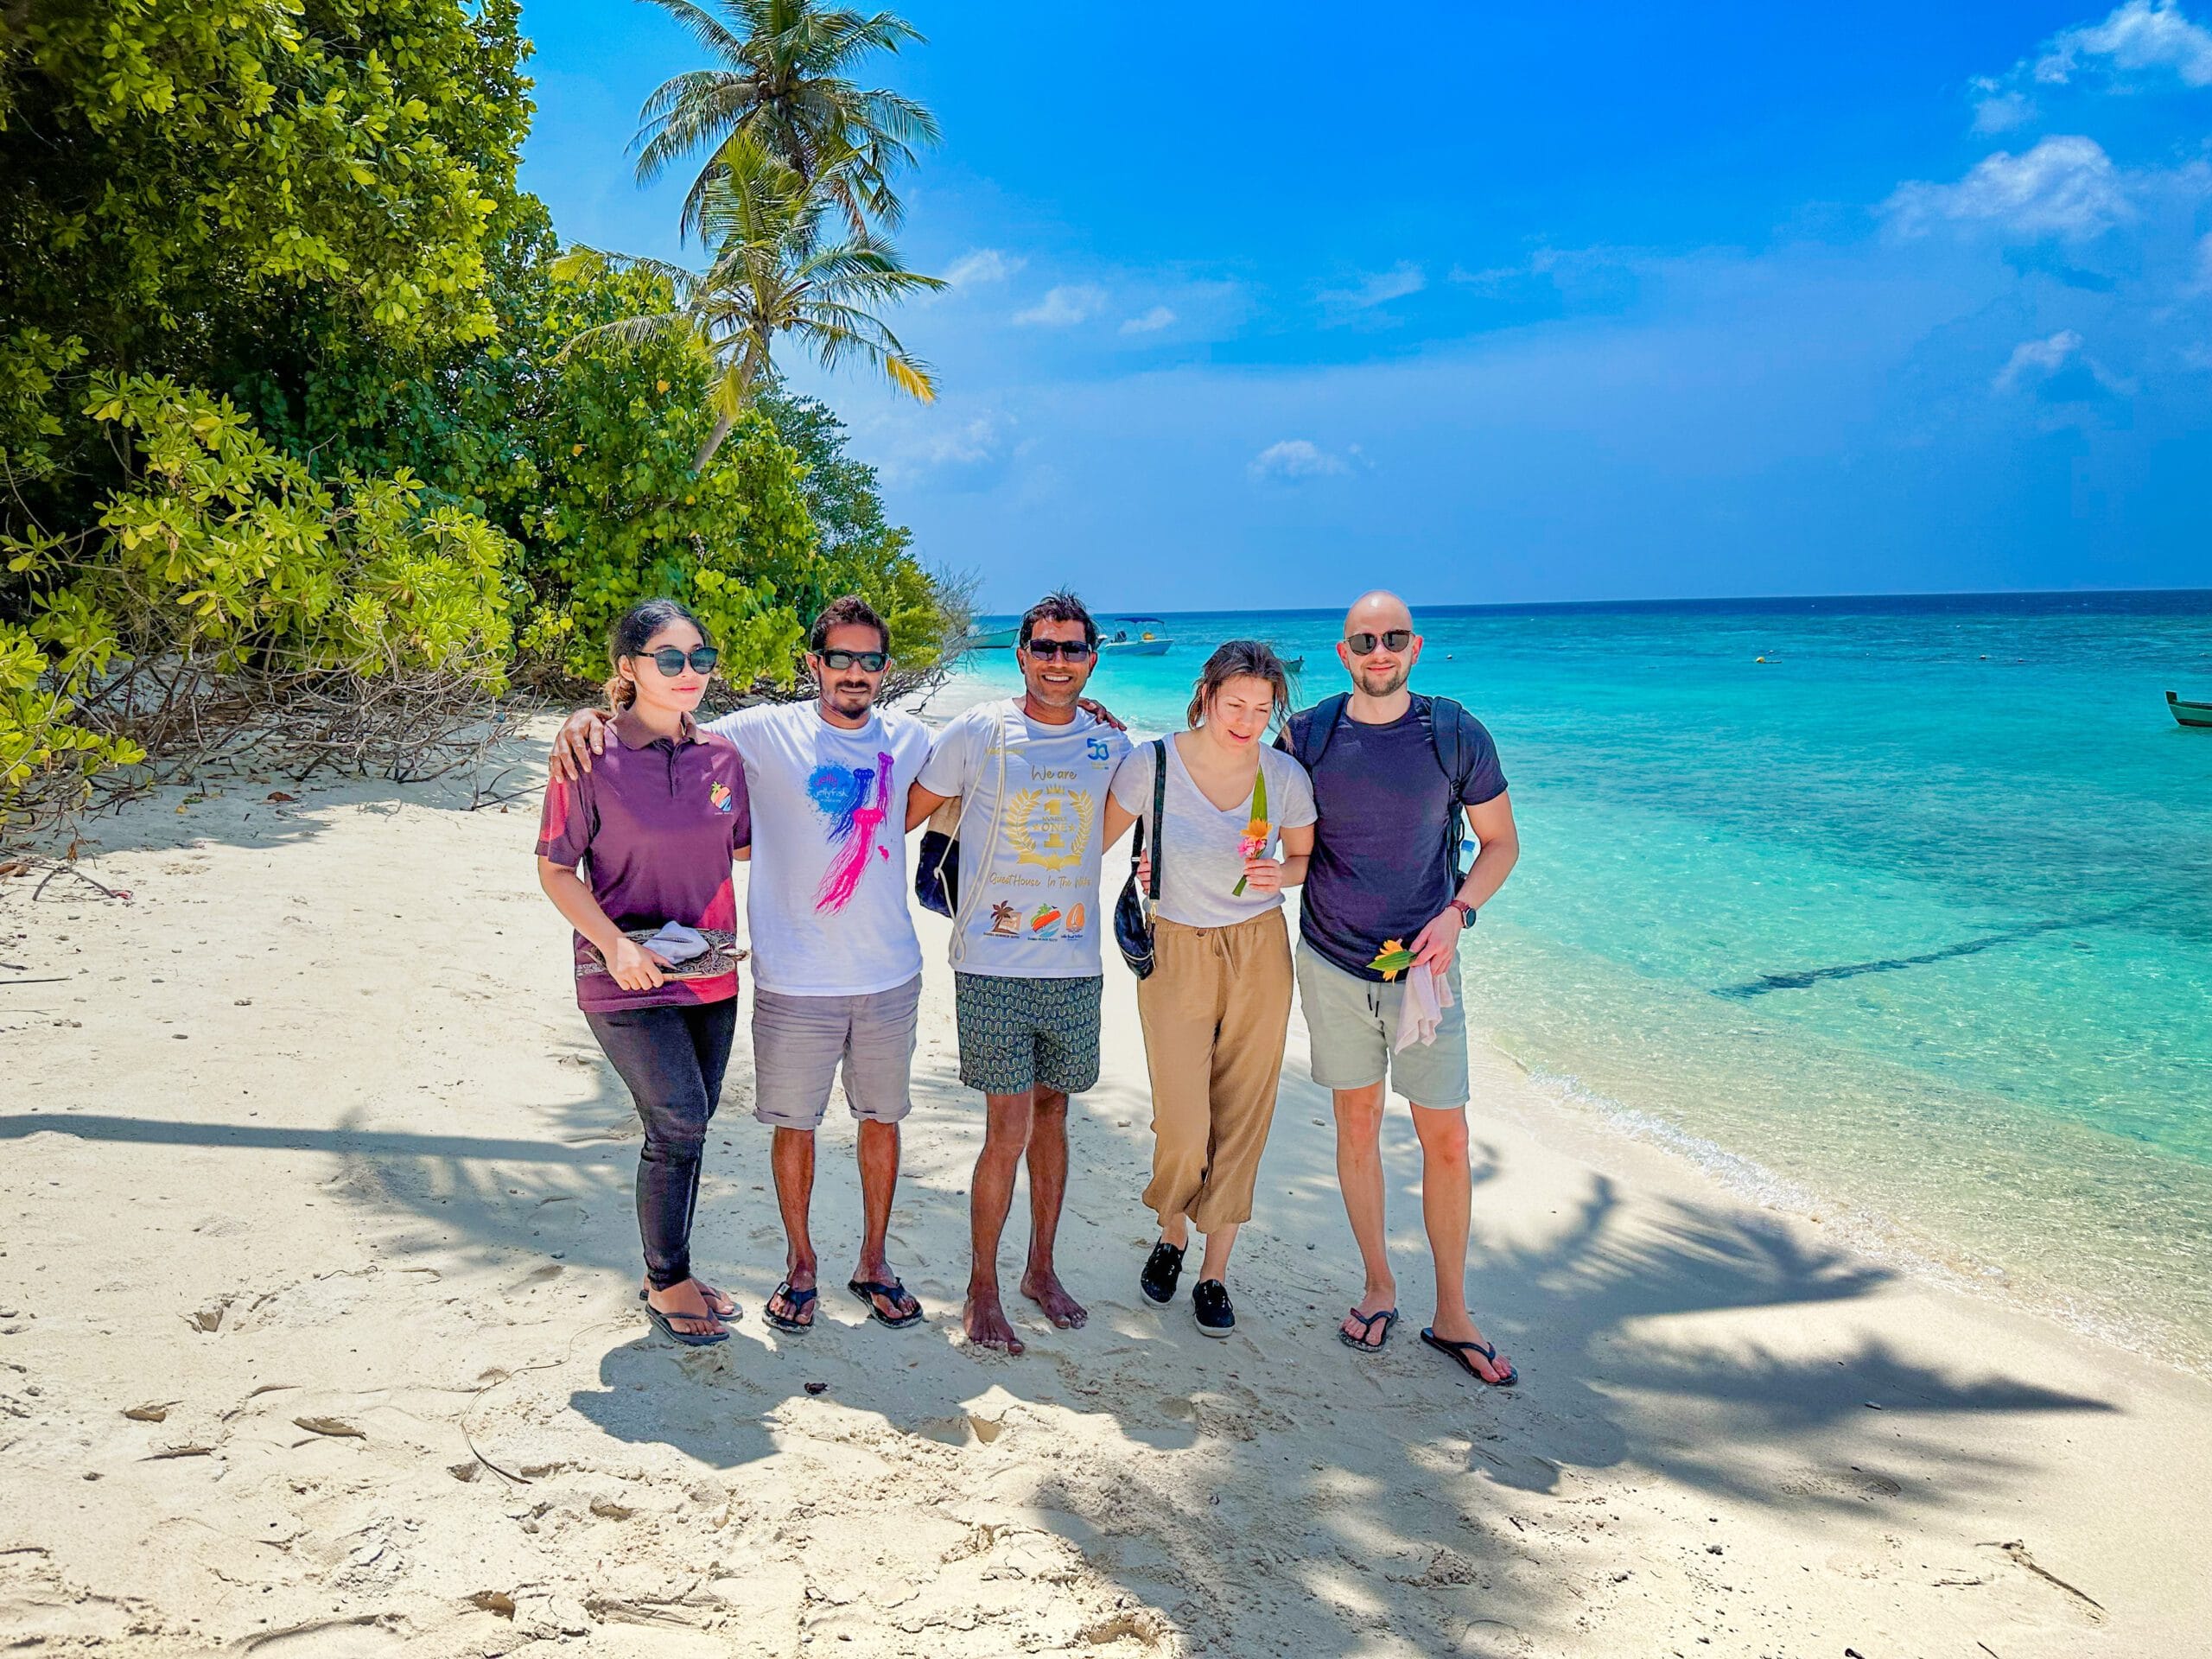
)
(1392, 959)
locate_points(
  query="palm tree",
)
(784, 83)
(774, 275)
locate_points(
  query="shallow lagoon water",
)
(1911, 922)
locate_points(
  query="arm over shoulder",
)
(955, 755)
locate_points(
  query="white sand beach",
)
(319, 1336)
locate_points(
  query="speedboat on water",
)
(1134, 636)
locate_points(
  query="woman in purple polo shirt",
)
(655, 825)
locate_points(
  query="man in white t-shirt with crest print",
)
(1032, 773)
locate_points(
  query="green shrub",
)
(223, 582)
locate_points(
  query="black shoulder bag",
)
(1133, 910)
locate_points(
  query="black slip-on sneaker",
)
(1210, 1306)
(1163, 1271)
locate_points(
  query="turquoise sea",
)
(1910, 922)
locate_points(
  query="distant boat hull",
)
(2195, 714)
(998, 640)
(1135, 647)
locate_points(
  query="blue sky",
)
(1601, 300)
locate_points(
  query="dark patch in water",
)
(1804, 979)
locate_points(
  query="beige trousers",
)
(1215, 1009)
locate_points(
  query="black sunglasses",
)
(1068, 650)
(1393, 640)
(871, 662)
(670, 661)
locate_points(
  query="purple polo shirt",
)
(652, 827)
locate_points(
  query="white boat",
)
(996, 639)
(1134, 636)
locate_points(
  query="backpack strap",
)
(1309, 732)
(1444, 719)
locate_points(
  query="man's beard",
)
(1382, 683)
(852, 699)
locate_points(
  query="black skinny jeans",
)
(673, 1059)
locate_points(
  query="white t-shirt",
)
(1204, 860)
(1029, 902)
(827, 901)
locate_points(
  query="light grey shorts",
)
(799, 1041)
(1353, 1021)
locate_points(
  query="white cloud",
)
(2143, 34)
(1380, 288)
(1998, 108)
(1150, 322)
(1064, 307)
(982, 265)
(2037, 359)
(2065, 187)
(1294, 458)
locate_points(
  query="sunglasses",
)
(1395, 639)
(1068, 650)
(868, 661)
(670, 661)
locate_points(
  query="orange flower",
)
(1392, 959)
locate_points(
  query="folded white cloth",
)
(1428, 994)
(676, 943)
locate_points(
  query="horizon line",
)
(1710, 599)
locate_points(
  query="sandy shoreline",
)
(309, 1130)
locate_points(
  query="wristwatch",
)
(1466, 913)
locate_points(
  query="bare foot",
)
(1051, 1296)
(986, 1323)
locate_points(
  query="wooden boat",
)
(2198, 715)
(996, 639)
(1134, 636)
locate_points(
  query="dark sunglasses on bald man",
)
(670, 661)
(1393, 640)
(869, 662)
(1068, 650)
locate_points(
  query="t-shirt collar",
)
(632, 738)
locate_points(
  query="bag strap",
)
(1159, 809)
(1447, 737)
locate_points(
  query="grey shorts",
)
(1019, 1034)
(799, 1041)
(1353, 1021)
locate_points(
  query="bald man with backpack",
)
(1394, 773)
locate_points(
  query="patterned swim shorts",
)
(1019, 1034)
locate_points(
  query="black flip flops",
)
(1458, 1352)
(794, 1299)
(868, 1289)
(1389, 1318)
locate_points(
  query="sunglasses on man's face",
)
(1391, 640)
(868, 661)
(670, 661)
(1068, 650)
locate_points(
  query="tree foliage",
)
(211, 191)
(774, 276)
(780, 79)
(292, 432)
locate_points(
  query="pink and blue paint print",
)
(841, 795)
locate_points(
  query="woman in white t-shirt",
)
(1217, 1005)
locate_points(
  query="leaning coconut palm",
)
(784, 84)
(774, 275)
